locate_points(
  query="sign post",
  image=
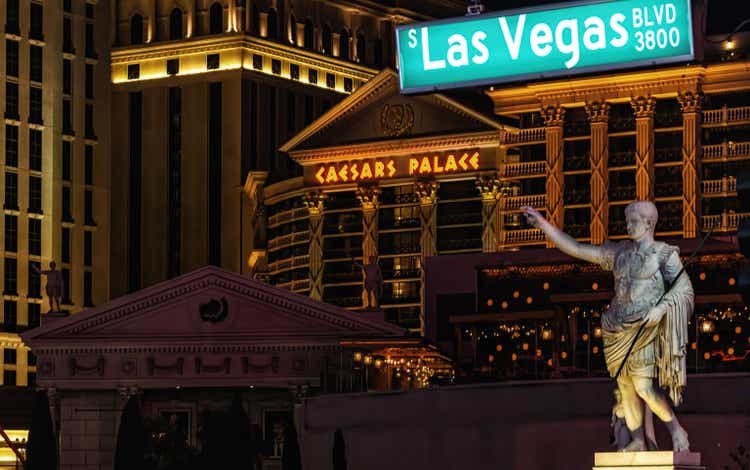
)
(543, 42)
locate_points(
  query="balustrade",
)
(530, 235)
(727, 184)
(533, 200)
(525, 169)
(725, 115)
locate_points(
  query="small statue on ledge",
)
(55, 285)
(641, 267)
(373, 281)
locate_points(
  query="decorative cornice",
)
(643, 106)
(598, 111)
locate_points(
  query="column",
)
(368, 198)
(598, 112)
(253, 209)
(553, 118)
(644, 108)
(426, 191)
(314, 203)
(490, 188)
(691, 102)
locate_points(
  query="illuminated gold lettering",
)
(474, 161)
(413, 165)
(450, 164)
(366, 171)
(379, 169)
(462, 161)
(343, 172)
(332, 177)
(354, 171)
(319, 175)
(435, 165)
(391, 168)
(425, 166)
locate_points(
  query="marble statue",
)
(621, 437)
(641, 267)
(373, 281)
(55, 286)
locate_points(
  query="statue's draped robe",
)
(640, 279)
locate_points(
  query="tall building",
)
(203, 94)
(56, 174)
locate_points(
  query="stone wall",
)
(88, 429)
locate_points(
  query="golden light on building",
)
(525, 346)
(564, 355)
(545, 286)
(538, 353)
(547, 334)
(357, 356)
(504, 305)
(729, 44)
(693, 346)
(516, 294)
(491, 358)
(529, 300)
(378, 363)
(706, 355)
(595, 286)
(368, 360)
(716, 338)
(738, 329)
(598, 332)
(595, 349)
(549, 362)
(585, 337)
(490, 302)
(732, 281)
(499, 347)
(514, 357)
(707, 326)
(702, 276)
(730, 351)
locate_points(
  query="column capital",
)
(368, 196)
(426, 191)
(314, 201)
(598, 111)
(690, 101)
(490, 187)
(643, 106)
(553, 115)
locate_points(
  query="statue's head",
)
(641, 217)
(52, 265)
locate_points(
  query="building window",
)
(11, 22)
(35, 105)
(213, 61)
(327, 40)
(10, 286)
(89, 11)
(89, 81)
(88, 166)
(68, 35)
(35, 314)
(88, 247)
(35, 149)
(276, 66)
(11, 233)
(67, 6)
(11, 100)
(11, 191)
(11, 145)
(217, 20)
(348, 84)
(87, 289)
(36, 29)
(88, 205)
(35, 237)
(294, 71)
(10, 319)
(66, 156)
(11, 58)
(67, 77)
(309, 35)
(9, 356)
(66, 287)
(67, 215)
(312, 76)
(344, 44)
(65, 241)
(35, 64)
(35, 283)
(9, 378)
(257, 62)
(136, 29)
(31, 380)
(361, 48)
(330, 80)
(175, 24)
(173, 66)
(273, 24)
(89, 121)
(134, 71)
(35, 194)
(90, 47)
(67, 118)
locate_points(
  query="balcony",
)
(342, 253)
(513, 170)
(400, 249)
(621, 193)
(388, 197)
(290, 239)
(340, 277)
(461, 218)
(535, 200)
(724, 222)
(524, 236)
(726, 115)
(527, 136)
(725, 185)
(726, 151)
(289, 263)
(396, 223)
(287, 216)
(402, 273)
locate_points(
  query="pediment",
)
(377, 111)
(209, 306)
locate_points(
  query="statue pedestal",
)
(372, 314)
(653, 460)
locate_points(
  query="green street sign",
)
(548, 41)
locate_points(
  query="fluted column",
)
(691, 103)
(368, 197)
(598, 113)
(314, 202)
(490, 189)
(426, 191)
(644, 108)
(553, 118)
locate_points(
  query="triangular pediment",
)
(378, 112)
(209, 306)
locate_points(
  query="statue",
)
(620, 436)
(641, 266)
(373, 281)
(55, 284)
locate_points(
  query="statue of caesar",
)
(641, 268)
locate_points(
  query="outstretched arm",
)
(562, 240)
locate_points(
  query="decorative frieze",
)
(175, 368)
(75, 368)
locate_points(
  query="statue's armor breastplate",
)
(638, 284)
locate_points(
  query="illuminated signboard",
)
(397, 167)
(547, 41)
